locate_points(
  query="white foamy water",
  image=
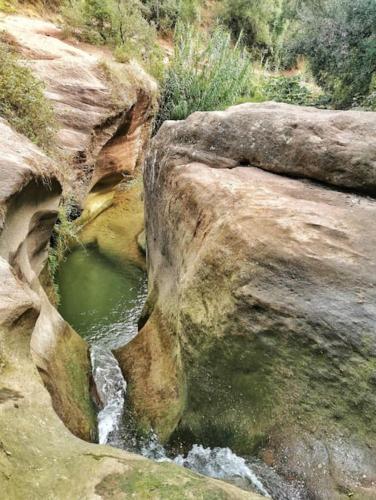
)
(107, 319)
(111, 388)
(103, 302)
(219, 463)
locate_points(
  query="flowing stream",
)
(103, 300)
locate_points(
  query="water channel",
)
(102, 300)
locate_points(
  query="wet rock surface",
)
(258, 332)
(45, 373)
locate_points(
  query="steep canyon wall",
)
(259, 330)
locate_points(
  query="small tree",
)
(165, 14)
(120, 24)
(257, 22)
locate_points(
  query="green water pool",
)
(101, 299)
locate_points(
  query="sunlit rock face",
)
(30, 195)
(259, 330)
(103, 108)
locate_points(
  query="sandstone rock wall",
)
(30, 199)
(259, 331)
(103, 108)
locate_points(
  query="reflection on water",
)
(100, 299)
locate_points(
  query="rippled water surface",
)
(100, 299)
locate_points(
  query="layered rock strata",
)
(103, 108)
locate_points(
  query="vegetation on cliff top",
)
(121, 25)
(283, 50)
(336, 39)
(204, 73)
(22, 100)
(339, 42)
(166, 14)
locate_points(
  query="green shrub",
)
(368, 103)
(338, 37)
(153, 63)
(205, 74)
(64, 236)
(257, 22)
(165, 14)
(109, 22)
(22, 100)
(119, 24)
(288, 89)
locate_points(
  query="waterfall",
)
(220, 463)
(111, 388)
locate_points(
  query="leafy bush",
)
(256, 21)
(119, 24)
(166, 14)
(338, 37)
(205, 73)
(369, 102)
(65, 234)
(289, 89)
(22, 100)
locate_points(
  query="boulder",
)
(332, 147)
(259, 329)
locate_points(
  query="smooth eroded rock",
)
(334, 147)
(262, 292)
(30, 196)
(103, 108)
(40, 457)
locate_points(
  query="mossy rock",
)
(146, 481)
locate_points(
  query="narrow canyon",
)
(213, 335)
